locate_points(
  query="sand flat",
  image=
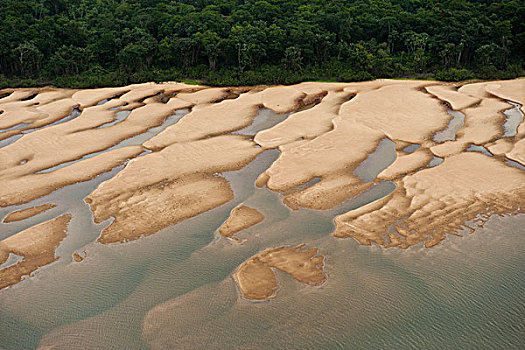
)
(257, 281)
(241, 217)
(172, 171)
(450, 94)
(36, 244)
(437, 201)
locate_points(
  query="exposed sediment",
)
(23, 214)
(437, 201)
(241, 217)
(257, 281)
(37, 245)
(172, 169)
(162, 188)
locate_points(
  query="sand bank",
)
(27, 213)
(36, 244)
(257, 281)
(437, 201)
(241, 217)
(327, 131)
(176, 183)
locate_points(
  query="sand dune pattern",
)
(51, 138)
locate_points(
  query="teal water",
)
(173, 290)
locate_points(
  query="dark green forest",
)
(86, 43)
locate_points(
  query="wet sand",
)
(257, 281)
(36, 245)
(27, 213)
(240, 218)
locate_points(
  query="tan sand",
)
(483, 124)
(333, 128)
(327, 193)
(241, 217)
(36, 244)
(180, 173)
(232, 114)
(23, 214)
(48, 106)
(436, 201)
(406, 163)
(450, 94)
(401, 111)
(511, 90)
(19, 190)
(45, 148)
(306, 124)
(335, 152)
(257, 281)
(150, 209)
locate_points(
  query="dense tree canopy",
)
(227, 42)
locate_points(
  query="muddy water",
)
(481, 149)
(176, 285)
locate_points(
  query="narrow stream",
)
(481, 149)
(449, 133)
(411, 148)
(513, 121)
(435, 162)
(136, 140)
(265, 119)
(16, 127)
(377, 161)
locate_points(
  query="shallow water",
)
(177, 285)
(481, 149)
(514, 119)
(466, 292)
(455, 123)
(12, 259)
(435, 162)
(377, 161)
(411, 148)
(265, 119)
(16, 127)
(119, 117)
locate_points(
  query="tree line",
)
(84, 43)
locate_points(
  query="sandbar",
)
(257, 281)
(241, 217)
(36, 244)
(23, 214)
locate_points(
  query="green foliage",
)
(454, 74)
(87, 43)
